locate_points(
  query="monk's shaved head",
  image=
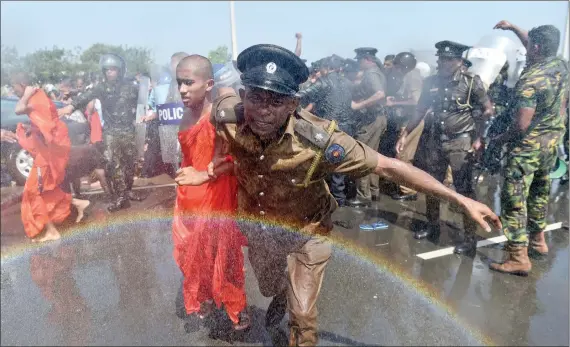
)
(20, 77)
(199, 65)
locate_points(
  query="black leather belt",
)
(444, 137)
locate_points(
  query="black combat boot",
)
(405, 197)
(468, 247)
(276, 310)
(137, 196)
(357, 202)
(431, 232)
(118, 204)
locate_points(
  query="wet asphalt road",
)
(116, 284)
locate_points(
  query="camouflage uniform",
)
(119, 104)
(525, 193)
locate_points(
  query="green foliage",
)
(53, 65)
(220, 55)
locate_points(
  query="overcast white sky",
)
(327, 27)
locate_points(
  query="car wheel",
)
(20, 165)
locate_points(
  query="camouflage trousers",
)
(120, 155)
(525, 192)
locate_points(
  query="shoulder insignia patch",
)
(229, 115)
(314, 134)
(335, 153)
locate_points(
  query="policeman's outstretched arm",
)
(409, 176)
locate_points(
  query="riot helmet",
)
(406, 61)
(113, 60)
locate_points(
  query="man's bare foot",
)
(51, 234)
(80, 205)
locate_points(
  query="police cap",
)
(364, 52)
(272, 68)
(450, 49)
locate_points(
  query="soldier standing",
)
(282, 155)
(368, 97)
(532, 140)
(119, 102)
(452, 134)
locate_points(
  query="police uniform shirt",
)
(269, 178)
(453, 100)
(373, 81)
(411, 89)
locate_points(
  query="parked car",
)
(17, 160)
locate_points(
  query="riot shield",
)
(170, 110)
(227, 76)
(142, 107)
(516, 65)
(489, 56)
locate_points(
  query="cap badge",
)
(222, 114)
(271, 67)
(447, 48)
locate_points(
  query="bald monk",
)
(44, 203)
(207, 242)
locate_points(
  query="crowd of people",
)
(265, 148)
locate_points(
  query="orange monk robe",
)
(207, 241)
(48, 143)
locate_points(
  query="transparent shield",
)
(489, 56)
(142, 107)
(169, 117)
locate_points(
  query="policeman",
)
(532, 140)
(451, 134)
(389, 62)
(282, 155)
(119, 103)
(404, 103)
(331, 96)
(368, 97)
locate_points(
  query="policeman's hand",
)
(64, 111)
(189, 176)
(504, 25)
(477, 146)
(298, 36)
(8, 136)
(401, 144)
(217, 166)
(480, 213)
(390, 101)
(355, 106)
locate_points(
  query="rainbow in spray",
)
(379, 261)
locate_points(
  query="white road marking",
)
(482, 243)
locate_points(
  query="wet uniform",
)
(119, 105)
(283, 183)
(372, 125)
(411, 88)
(269, 191)
(525, 193)
(448, 136)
